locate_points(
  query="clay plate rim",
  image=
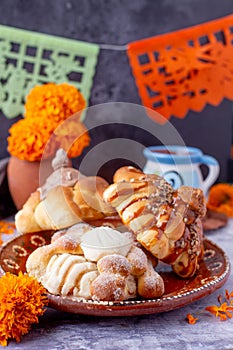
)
(191, 289)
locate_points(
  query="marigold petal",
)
(223, 317)
(213, 309)
(227, 294)
(191, 319)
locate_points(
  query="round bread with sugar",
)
(165, 221)
(114, 263)
(138, 260)
(64, 206)
(108, 286)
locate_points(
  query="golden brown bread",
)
(24, 219)
(63, 206)
(165, 221)
(88, 195)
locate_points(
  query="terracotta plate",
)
(213, 273)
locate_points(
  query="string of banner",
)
(174, 72)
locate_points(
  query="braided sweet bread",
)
(166, 222)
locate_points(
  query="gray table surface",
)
(168, 330)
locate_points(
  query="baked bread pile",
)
(165, 225)
(66, 268)
(166, 222)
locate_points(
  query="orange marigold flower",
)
(6, 228)
(22, 301)
(222, 311)
(221, 198)
(191, 319)
(28, 138)
(54, 101)
(32, 139)
(47, 107)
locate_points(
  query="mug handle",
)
(214, 169)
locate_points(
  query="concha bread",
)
(64, 206)
(63, 269)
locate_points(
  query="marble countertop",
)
(168, 330)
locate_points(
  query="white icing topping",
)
(103, 241)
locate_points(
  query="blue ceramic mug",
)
(180, 165)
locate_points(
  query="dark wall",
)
(119, 22)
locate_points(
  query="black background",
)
(118, 23)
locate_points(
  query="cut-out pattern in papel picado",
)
(28, 59)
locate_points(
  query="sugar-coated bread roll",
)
(67, 274)
(150, 283)
(138, 261)
(64, 242)
(109, 286)
(114, 263)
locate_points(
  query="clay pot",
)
(25, 177)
